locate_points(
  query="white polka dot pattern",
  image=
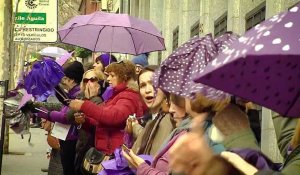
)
(177, 72)
(263, 66)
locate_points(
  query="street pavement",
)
(26, 158)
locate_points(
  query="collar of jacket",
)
(119, 88)
(130, 85)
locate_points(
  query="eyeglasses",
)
(93, 79)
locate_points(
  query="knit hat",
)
(141, 59)
(106, 59)
(74, 71)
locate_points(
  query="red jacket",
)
(110, 117)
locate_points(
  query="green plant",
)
(82, 53)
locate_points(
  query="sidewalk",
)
(25, 158)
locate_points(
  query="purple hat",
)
(178, 70)
(106, 59)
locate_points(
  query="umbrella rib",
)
(66, 34)
(98, 38)
(132, 40)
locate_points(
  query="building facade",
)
(179, 20)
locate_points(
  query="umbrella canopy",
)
(26, 97)
(63, 59)
(53, 52)
(43, 78)
(109, 32)
(263, 65)
(176, 73)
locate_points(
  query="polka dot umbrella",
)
(262, 66)
(176, 73)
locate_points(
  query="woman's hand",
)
(130, 122)
(76, 104)
(132, 158)
(91, 90)
(79, 118)
(239, 163)
(191, 151)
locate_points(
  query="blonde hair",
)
(82, 84)
(203, 104)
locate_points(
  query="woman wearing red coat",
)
(110, 117)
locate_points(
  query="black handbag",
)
(92, 161)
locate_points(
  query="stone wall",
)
(5, 24)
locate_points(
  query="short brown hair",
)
(150, 68)
(124, 70)
(177, 100)
(203, 104)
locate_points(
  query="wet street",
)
(26, 158)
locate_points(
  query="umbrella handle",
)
(61, 94)
(38, 109)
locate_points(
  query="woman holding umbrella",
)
(70, 82)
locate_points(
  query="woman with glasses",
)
(90, 88)
(110, 117)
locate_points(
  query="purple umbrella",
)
(176, 73)
(263, 65)
(109, 32)
(26, 97)
(43, 78)
(63, 59)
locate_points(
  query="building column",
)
(274, 7)
(134, 8)
(234, 17)
(156, 15)
(144, 9)
(268, 137)
(190, 15)
(170, 12)
(204, 16)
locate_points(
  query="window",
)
(220, 25)
(195, 29)
(175, 38)
(256, 16)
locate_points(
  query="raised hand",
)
(190, 152)
(76, 104)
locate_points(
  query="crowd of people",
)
(121, 123)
